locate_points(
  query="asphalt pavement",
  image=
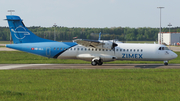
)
(86, 66)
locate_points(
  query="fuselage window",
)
(124, 50)
(102, 49)
(81, 49)
(106, 49)
(57, 48)
(120, 49)
(77, 48)
(141, 50)
(54, 48)
(159, 48)
(92, 49)
(131, 50)
(89, 49)
(74, 48)
(85, 49)
(116, 49)
(95, 49)
(134, 50)
(127, 50)
(99, 49)
(137, 50)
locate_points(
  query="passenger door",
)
(48, 51)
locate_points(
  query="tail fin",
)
(99, 36)
(20, 33)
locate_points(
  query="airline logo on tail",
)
(21, 31)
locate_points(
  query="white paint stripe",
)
(19, 66)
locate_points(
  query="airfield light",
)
(10, 32)
(160, 25)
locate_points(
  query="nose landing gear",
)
(165, 63)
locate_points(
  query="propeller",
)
(113, 46)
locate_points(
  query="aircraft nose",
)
(174, 55)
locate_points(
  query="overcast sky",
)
(93, 13)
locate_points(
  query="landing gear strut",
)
(165, 63)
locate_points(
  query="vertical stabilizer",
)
(99, 36)
(20, 33)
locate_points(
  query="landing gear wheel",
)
(94, 63)
(100, 63)
(165, 63)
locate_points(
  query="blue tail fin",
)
(20, 33)
(99, 36)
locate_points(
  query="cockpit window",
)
(159, 48)
(163, 48)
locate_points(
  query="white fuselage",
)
(124, 51)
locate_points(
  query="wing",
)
(89, 43)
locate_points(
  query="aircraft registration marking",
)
(37, 48)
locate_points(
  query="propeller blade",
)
(114, 45)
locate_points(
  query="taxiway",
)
(86, 66)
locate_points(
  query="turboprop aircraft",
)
(96, 51)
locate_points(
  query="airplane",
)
(95, 51)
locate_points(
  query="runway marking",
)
(19, 66)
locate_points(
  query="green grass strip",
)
(90, 85)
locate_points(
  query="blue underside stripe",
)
(61, 52)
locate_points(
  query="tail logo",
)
(20, 32)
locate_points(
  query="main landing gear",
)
(165, 63)
(96, 62)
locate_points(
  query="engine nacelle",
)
(90, 57)
(107, 58)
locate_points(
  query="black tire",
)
(93, 63)
(100, 63)
(166, 64)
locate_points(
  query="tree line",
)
(119, 33)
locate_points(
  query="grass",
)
(84, 84)
(4, 42)
(16, 57)
(8, 42)
(90, 85)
